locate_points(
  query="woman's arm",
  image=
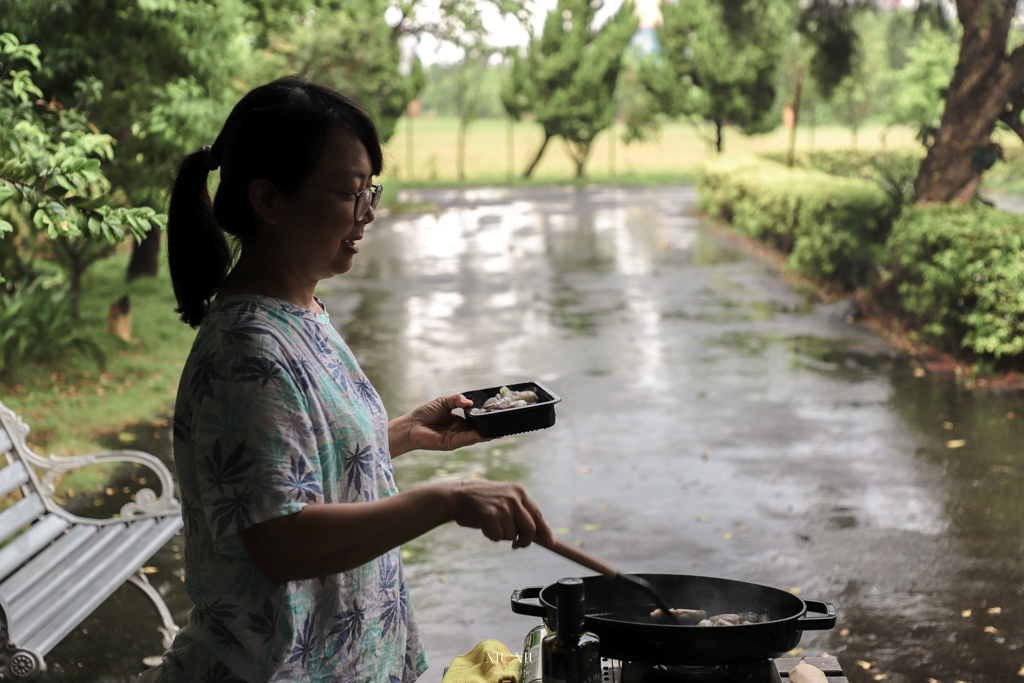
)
(432, 427)
(324, 539)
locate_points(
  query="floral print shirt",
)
(273, 413)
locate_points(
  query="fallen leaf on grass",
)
(947, 425)
(991, 629)
(918, 372)
(795, 591)
(995, 610)
(1021, 672)
(591, 527)
(966, 613)
(880, 677)
(865, 665)
(795, 651)
(934, 680)
(956, 443)
(845, 632)
(126, 437)
(149, 570)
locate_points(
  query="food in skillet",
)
(505, 399)
(687, 614)
(741, 619)
(702, 618)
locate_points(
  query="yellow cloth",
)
(488, 662)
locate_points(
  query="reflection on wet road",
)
(712, 423)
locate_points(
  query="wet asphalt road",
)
(712, 422)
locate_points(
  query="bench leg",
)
(169, 628)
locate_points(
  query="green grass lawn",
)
(675, 155)
(73, 403)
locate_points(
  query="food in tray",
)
(740, 619)
(505, 399)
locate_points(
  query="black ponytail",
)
(198, 253)
(277, 132)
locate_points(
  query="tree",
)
(919, 87)
(355, 51)
(54, 197)
(168, 72)
(567, 78)
(718, 61)
(987, 88)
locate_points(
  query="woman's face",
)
(316, 234)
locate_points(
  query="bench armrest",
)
(146, 503)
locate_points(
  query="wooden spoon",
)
(609, 572)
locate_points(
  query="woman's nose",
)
(370, 215)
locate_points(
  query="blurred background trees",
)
(133, 85)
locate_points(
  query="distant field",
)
(674, 155)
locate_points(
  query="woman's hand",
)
(502, 510)
(433, 427)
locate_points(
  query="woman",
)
(282, 447)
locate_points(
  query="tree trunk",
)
(984, 84)
(145, 261)
(536, 159)
(718, 136)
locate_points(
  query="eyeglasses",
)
(365, 199)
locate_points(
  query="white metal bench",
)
(56, 567)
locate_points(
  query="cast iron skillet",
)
(620, 616)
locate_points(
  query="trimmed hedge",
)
(830, 227)
(960, 277)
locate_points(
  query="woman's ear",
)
(263, 199)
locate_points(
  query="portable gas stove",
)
(761, 671)
(615, 671)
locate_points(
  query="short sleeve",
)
(255, 448)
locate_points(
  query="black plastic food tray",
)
(540, 415)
